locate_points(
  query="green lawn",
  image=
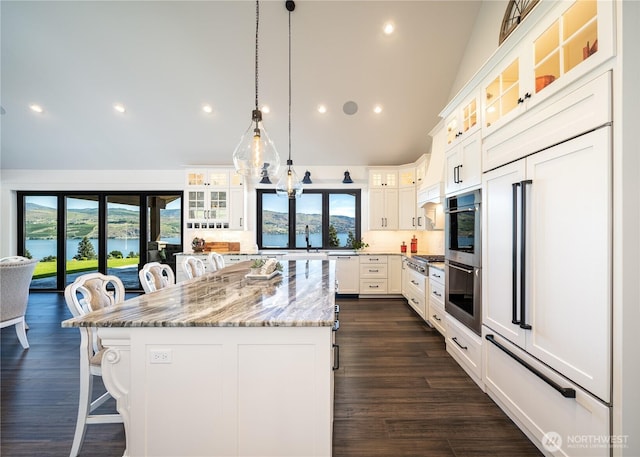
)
(46, 269)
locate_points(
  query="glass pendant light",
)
(256, 154)
(289, 185)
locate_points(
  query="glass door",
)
(123, 238)
(81, 235)
(41, 238)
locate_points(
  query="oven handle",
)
(461, 269)
(566, 392)
(465, 209)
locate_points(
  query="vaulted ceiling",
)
(165, 60)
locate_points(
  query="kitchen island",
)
(224, 365)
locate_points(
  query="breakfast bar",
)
(225, 364)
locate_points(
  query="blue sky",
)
(340, 204)
(75, 203)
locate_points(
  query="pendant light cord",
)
(256, 63)
(289, 86)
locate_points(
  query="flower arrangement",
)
(197, 244)
(355, 244)
(258, 264)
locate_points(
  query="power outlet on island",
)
(160, 356)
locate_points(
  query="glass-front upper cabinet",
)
(570, 39)
(463, 120)
(215, 177)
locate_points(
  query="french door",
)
(74, 233)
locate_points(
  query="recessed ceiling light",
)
(322, 109)
(388, 28)
(377, 109)
(207, 109)
(119, 107)
(36, 108)
(265, 109)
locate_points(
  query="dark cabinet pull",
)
(336, 357)
(436, 317)
(523, 256)
(514, 257)
(527, 95)
(566, 392)
(455, 340)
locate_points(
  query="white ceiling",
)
(164, 59)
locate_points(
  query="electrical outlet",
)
(160, 356)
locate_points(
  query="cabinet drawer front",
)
(417, 303)
(369, 259)
(437, 292)
(538, 406)
(373, 286)
(436, 275)
(417, 280)
(437, 317)
(465, 347)
(373, 271)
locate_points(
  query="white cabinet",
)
(415, 291)
(394, 274)
(421, 171)
(383, 178)
(464, 120)
(383, 209)
(466, 348)
(562, 309)
(572, 39)
(408, 210)
(407, 176)
(210, 195)
(347, 274)
(436, 315)
(463, 168)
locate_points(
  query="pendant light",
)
(289, 184)
(256, 154)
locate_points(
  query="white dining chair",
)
(155, 276)
(193, 267)
(90, 292)
(216, 261)
(15, 278)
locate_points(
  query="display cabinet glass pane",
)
(452, 130)
(195, 179)
(548, 71)
(510, 100)
(547, 43)
(582, 12)
(493, 113)
(469, 115)
(581, 46)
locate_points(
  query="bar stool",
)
(155, 276)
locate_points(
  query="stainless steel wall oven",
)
(462, 229)
(463, 259)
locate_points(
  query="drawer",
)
(537, 406)
(373, 286)
(437, 317)
(369, 259)
(417, 280)
(373, 271)
(436, 275)
(417, 303)
(436, 292)
(466, 348)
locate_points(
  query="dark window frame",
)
(325, 218)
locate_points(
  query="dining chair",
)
(155, 276)
(15, 278)
(193, 267)
(90, 292)
(216, 261)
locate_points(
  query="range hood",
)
(432, 191)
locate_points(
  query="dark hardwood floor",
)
(398, 393)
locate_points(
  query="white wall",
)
(482, 43)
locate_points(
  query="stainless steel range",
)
(420, 263)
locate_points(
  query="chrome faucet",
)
(306, 237)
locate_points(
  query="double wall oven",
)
(463, 259)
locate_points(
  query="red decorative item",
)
(403, 247)
(414, 245)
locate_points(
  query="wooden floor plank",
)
(398, 393)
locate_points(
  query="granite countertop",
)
(438, 265)
(303, 295)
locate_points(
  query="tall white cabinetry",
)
(463, 168)
(383, 200)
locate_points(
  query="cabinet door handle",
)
(514, 255)
(373, 271)
(455, 340)
(523, 260)
(371, 286)
(415, 301)
(436, 317)
(566, 392)
(414, 282)
(336, 357)
(413, 221)
(437, 294)
(419, 224)
(435, 275)
(240, 222)
(459, 178)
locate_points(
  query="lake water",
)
(43, 248)
(315, 239)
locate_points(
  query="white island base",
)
(222, 391)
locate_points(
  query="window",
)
(73, 233)
(319, 219)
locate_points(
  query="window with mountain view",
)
(319, 219)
